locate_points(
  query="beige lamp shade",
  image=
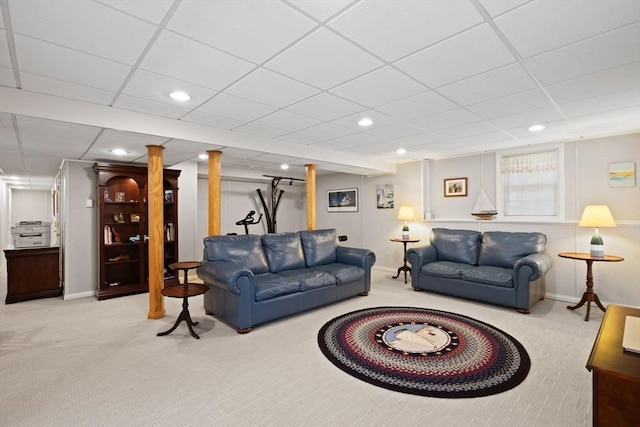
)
(596, 216)
(406, 213)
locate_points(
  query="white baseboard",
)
(79, 295)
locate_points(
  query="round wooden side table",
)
(404, 267)
(589, 296)
(184, 291)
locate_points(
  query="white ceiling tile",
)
(149, 10)
(184, 59)
(5, 59)
(323, 60)
(255, 30)
(134, 143)
(407, 26)
(263, 131)
(395, 131)
(541, 26)
(379, 87)
(212, 120)
(35, 83)
(561, 136)
(321, 10)
(270, 88)
(610, 128)
(464, 55)
(230, 106)
(471, 129)
(492, 84)
(551, 127)
(601, 83)
(287, 121)
(599, 53)
(527, 118)
(154, 87)
(498, 7)
(298, 138)
(611, 101)
(102, 31)
(423, 104)
(189, 148)
(132, 103)
(6, 77)
(325, 107)
(45, 59)
(446, 119)
(629, 115)
(511, 104)
(326, 131)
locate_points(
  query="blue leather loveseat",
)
(253, 279)
(498, 267)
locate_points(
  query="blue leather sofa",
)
(498, 267)
(253, 279)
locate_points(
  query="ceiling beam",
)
(20, 102)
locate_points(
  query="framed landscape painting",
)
(343, 200)
(455, 187)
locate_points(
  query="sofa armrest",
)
(360, 257)
(421, 255)
(534, 266)
(225, 275)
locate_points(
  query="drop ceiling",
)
(286, 81)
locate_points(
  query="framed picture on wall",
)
(384, 196)
(455, 187)
(342, 200)
(622, 174)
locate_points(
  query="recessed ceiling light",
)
(401, 151)
(284, 167)
(119, 152)
(536, 128)
(203, 156)
(179, 96)
(365, 122)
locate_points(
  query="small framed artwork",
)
(343, 200)
(622, 174)
(384, 196)
(168, 196)
(135, 217)
(455, 187)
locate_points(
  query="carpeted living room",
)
(319, 212)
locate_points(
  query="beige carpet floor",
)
(99, 363)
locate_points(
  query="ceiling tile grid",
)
(439, 78)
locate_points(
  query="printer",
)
(31, 234)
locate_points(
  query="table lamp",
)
(597, 216)
(405, 214)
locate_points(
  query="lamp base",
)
(405, 234)
(596, 250)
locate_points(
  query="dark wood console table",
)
(184, 291)
(404, 267)
(616, 373)
(589, 296)
(32, 273)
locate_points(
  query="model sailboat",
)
(484, 208)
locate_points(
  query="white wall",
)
(30, 205)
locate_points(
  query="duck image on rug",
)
(423, 351)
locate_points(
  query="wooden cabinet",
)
(32, 273)
(616, 373)
(122, 227)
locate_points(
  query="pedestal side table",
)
(404, 267)
(184, 291)
(589, 296)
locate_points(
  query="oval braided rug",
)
(423, 351)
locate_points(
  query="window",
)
(531, 184)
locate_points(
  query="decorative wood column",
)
(311, 196)
(155, 224)
(214, 192)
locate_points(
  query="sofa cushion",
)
(242, 250)
(503, 249)
(319, 246)
(452, 270)
(283, 251)
(456, 245)
(343, 273)
(310, 279)
(269, 285)
(490, 275)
